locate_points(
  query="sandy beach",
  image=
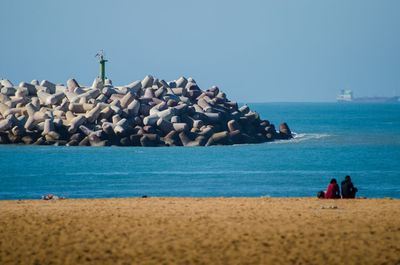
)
(200, 231)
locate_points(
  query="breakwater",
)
(148, 112)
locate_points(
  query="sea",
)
(332, 140)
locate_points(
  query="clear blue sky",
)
(256, 51)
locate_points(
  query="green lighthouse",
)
(102, 61)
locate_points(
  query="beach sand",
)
(200, 231)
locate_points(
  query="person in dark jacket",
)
(348, 189)
(332, 192)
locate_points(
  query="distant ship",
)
(347, 96)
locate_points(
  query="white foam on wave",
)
(96, 173)
(301, 137)
(309, 136)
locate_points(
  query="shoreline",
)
(200, 231)
(196, 198)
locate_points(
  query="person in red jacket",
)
(332, 192)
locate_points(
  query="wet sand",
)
(200, 231)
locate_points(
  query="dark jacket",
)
(348, 190)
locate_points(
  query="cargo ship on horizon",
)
(347, 96)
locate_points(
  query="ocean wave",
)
(309, 136)
(231, 172)
(97, 173)
(301, 137)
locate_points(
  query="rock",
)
(89, 94)
(76, 122)
(244, 109)
(94, 140)
(85, 130)
(135, 139)
(184, 139)
(55, 98)
(8, 91)
(218, 138)
(204, 104)
(127, 99)
(198, 124)
(73, 143)
(213, 117)
(35, 82)
(106, 113)
(30, 123)
(31, 88)
(6, 83)
(5, 125)
(144, 109)
(102, 98)
(27, 139)
(40, 141)
(147, 81)
(76, 108)
(40, 116)
(165, 125)
(160, 92)
(236, 137)
(4, 138)
(71, 96)
(52, 136)
(214, 90)
(284, 131)
(151, 119)
(48, 127)
(121, 127)
(150, 140)
(84, 142)
(157, 108)
(172, 139)
(148, 93)
(149, 112)
(270, 132)
(181, 82)
(115, 109)
(4, 109)
(108, 128)
(93, 114)
(233, 126)
(180, 127)
(51, 86)
(135, 86)
(97, 83)
(125, 141)
(115, 119)
(175, 119)
(167, 114)
(251, 116)
(72, 84)
(108, 82)
(43, 97)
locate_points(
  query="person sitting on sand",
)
(348, 189)
(332, 192)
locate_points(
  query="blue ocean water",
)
(362, 140)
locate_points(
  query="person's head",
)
(333, 181)
(347, 178)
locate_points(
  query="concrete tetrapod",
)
(148, 112)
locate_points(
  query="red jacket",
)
(332, 191)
